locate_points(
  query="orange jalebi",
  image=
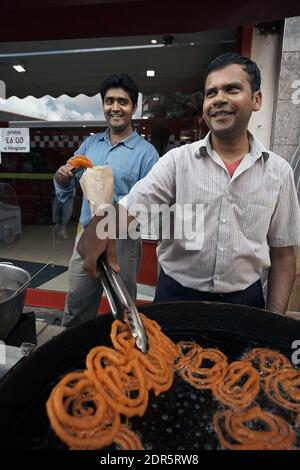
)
(80, 161)
(85, 407)
(205, 369)
(236, 430)
(157, 364)
(239, 387)
(187, 351)
(121, 337)
(126, 439)
(159, 342)
(266, 361)
(283, 388)
(79, 415)
(157, 371)
(120, 381)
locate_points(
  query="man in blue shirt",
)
(131, 158)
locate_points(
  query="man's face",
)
(118, 109)
(229, 101)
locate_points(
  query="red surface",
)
(148, 271)
(244, 40)
(45, 298)
(56, 300)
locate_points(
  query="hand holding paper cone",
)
(97, 184)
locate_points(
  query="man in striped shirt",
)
(240, 197)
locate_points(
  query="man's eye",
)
(123, 102)
(109, 101)
(209, 94)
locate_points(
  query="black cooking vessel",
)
(180, 414)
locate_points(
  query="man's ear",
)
(257, 100)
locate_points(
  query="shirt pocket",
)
(256, 221)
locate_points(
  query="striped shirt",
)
(243, 215)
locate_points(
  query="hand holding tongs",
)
(120, 303)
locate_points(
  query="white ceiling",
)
(57, 71)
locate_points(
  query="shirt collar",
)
(257, 149)
(129, 142)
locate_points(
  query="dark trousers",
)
(168, 289)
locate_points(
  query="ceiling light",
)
(150, 73)
(19, 68)
(155, 98)
(153, 41)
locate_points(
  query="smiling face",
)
(118, 109)
(229, 101)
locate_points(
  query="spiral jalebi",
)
(240, 430)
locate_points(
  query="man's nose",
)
(220, 98)
(115, 106)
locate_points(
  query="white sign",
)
(15, 140)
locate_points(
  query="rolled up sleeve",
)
(285, 223)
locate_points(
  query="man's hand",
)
(64, 174)
(90, 248)
(281, 278)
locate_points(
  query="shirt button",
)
(224, 221)
(221, 249)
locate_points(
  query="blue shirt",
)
(130, 160)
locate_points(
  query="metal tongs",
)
(121, 302)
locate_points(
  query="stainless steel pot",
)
(11, 307)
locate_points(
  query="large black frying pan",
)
(180, 418)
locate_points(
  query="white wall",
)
(286, 133)
(266, 53)
(2, 89)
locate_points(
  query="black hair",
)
(120, 80)
(234, 58)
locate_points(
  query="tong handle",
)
(115, 286)
(116, 308)
(135, 321)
